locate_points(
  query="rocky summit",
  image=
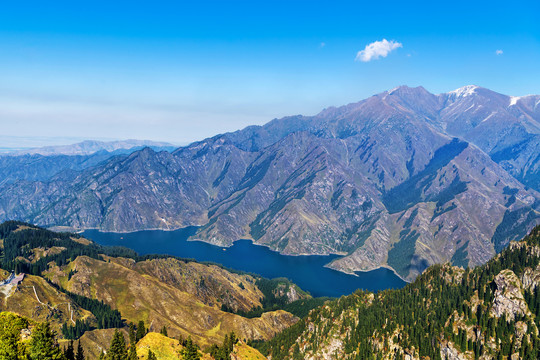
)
(403, 179)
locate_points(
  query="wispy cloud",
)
(377, 49)
(498, 52)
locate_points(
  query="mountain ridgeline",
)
(490, 312)
(403, 179)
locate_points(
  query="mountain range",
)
(89, 147)
(403, 179)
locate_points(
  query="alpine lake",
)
(307, 271)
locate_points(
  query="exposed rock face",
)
(332, 348)
(449, 352)
(290, 291)
(530, 278)
(403, 179)
(509, 300)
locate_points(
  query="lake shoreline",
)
(310, 272)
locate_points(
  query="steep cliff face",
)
(403, 179)
(509, 301)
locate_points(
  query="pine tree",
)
(151, 355)
(69, 353)
(10, 334)
(132, 334)
(229, 342)
(118, 350)
(43, 344)
(132, 354)
(191, 351)
(141, 331)
(80, 352)
(164, 331)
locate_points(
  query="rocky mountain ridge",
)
(403, 179)
(490, 312)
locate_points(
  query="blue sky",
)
(179, 71)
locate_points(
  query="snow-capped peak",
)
(464, 91)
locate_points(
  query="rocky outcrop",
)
(449, 352)
(531, 278)
(508, 300)
(290, 291)
(330, 350)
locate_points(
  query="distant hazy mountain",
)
(89, 147)
(403, 179)
(44, 163)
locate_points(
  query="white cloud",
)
(377, 49)
(498, 52)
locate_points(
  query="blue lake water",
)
(306, 271)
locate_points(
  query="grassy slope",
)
(163, 347)
(53, 307)
(160, 301)
(185, 296)
(95, 341)
(242, 351)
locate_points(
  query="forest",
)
(420, 318)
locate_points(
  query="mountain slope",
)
(491, 312)
(44, 168)
(80, 286)
(36, 299)
(403, 179)
(123, 285)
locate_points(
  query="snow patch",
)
(464, 91)
(469, 108)
(493, 113)
(514, 100)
